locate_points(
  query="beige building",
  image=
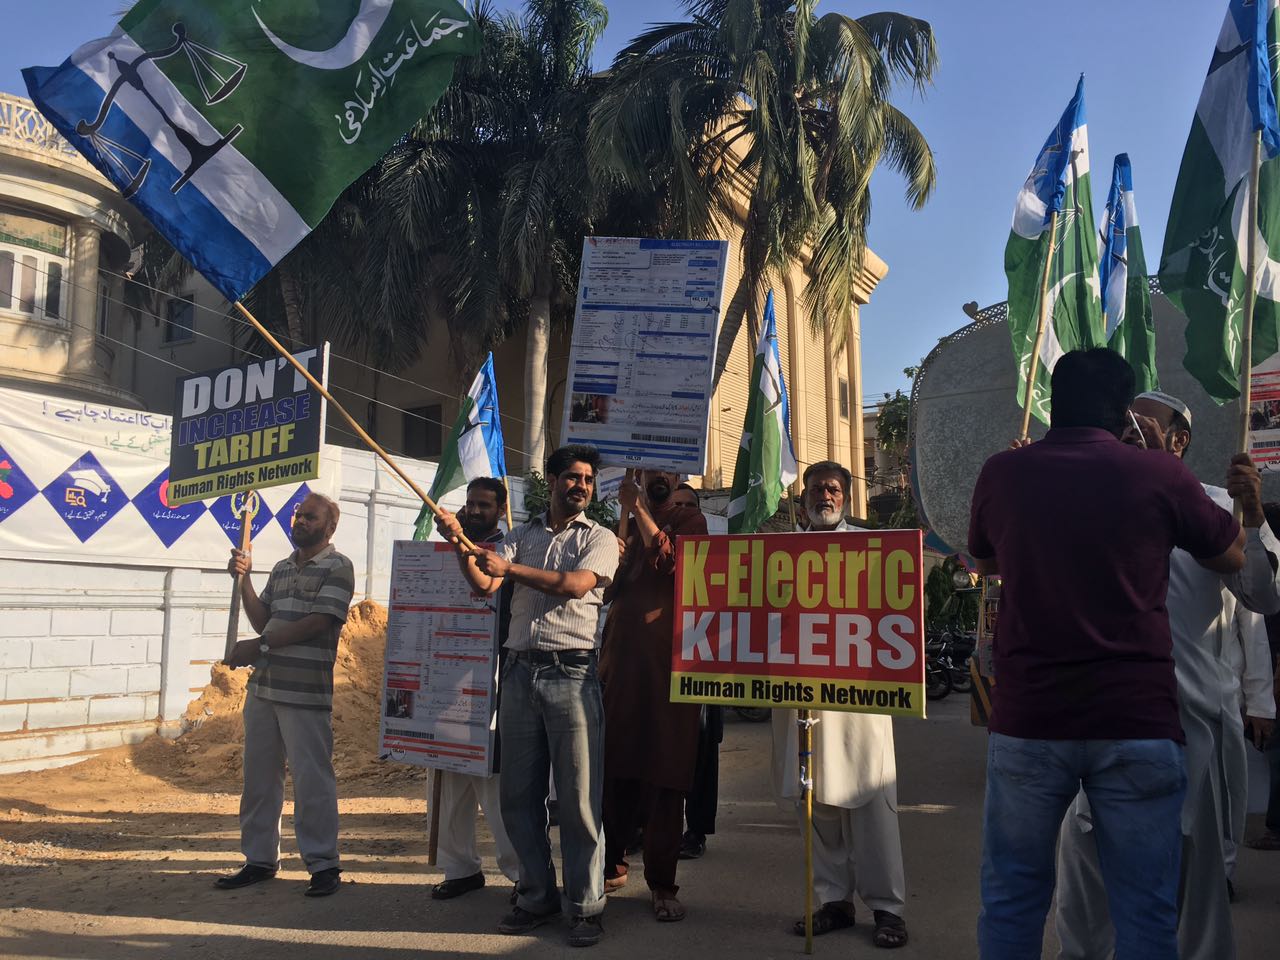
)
(65, 237)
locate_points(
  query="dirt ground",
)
(115, 857)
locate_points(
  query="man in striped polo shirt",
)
(550, 714)
(287, 711)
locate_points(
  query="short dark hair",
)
(684, 486)
(830, 466)
(493, 485)
(1092, 388)
(561, 459)
(1271, 510)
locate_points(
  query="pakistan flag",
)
(1202, 269)
(1058, 183)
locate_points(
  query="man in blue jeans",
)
(1080, 526)
(550, 714)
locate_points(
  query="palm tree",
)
(489, 195)
(763, 99)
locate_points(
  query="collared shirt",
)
(540, 621)
(301, 674)
(1081, 526)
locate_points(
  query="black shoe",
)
(520, 920)
(585, 931)
(449, 889)
(249, 874)
(324, 882)
(692, 846)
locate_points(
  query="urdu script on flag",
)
(233, 126)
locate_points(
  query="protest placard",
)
(823, 621)
(246, 427)
(441, 676)
(643, 355)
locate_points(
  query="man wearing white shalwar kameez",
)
(856, 843)
(1202, 608)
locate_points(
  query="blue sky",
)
(1007, 70)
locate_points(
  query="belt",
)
(579, 657)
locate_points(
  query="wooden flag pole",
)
(360, 431)
(433, 834)
(506, 486)
(806, 791)
(1041, 321)
(1250, 299)
(246, 538)
(791, 508)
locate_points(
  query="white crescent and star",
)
(347, 51)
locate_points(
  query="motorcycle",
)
(937, 674)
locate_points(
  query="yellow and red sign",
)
(825, 621)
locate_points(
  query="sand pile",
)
(209, 753)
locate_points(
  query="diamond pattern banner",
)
(86, 496)
(70, 468)
(226, 510)
(15, 488)
(165, 520)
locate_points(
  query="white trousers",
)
(276, 735)
(858, 851)
(1204, 913)
(456, 851)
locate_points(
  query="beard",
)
(658, 491)
(304, 538)
(823, 518)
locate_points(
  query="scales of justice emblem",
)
(218, 76)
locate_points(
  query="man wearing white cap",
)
(1202, 607)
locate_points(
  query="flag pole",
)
(360, 431)
(1041, 321)
(246, 538)
(1250, 299)
(506, 486)
(806, 791)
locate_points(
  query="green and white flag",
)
(1203, 266)
(234, 125)
(1126, 294)
(766, 460)
(1059, 182)
(474, 448)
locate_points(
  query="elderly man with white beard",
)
(856, 845)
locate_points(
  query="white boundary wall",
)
(97, 655)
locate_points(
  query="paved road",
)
(741, 897)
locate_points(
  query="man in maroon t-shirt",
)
(1080, 526)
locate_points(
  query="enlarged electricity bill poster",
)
(1264, 415)
(439, 688)
(825, 621)
(644, 347)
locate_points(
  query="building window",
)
(180, 320)
(33, 264)
(423, 433)
(844, 399)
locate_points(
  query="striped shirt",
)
(540, 621)
(301, 674)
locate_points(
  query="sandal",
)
(667, 908)
(828, 917)
(1268, 841)
(890, 930)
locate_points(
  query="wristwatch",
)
(263, 647)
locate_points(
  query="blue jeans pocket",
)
(1151, 768)
(1016, 760)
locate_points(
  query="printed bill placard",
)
(824, 621)
(246, 427)
(439, 695)
(1264, 415)
(642, 360)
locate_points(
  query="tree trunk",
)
(291, 294)
(537, 342)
